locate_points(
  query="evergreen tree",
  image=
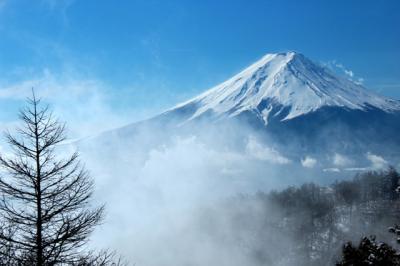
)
(369, 252)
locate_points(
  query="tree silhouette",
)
(369, 252)
(44, 205)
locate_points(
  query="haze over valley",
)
(193, 133)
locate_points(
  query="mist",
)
(156, 196)
(166, 193)
(187, 195)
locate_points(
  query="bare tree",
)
(44, 203)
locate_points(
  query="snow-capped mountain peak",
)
(287, 81)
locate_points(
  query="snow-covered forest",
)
(309, 224)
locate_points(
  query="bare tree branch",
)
(44, 204)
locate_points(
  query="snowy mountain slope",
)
(289, 103)
(284, 81)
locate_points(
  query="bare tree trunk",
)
(39, 252)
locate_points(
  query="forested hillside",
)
(308, 225)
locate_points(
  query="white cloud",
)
(357, 169)
(348, 73)
(359, 81)
(264, 153)
(308, 162)
(334, 65)
(341, 160)
(377, 162)
(337, 170)
(83, 103)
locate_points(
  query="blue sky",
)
(131, 59)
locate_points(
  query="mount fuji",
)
(287, 85)
(286, 100)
